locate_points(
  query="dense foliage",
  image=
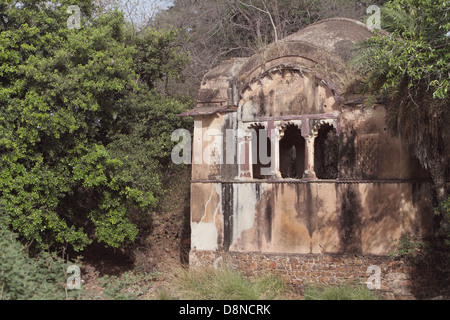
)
(83, 142)
(408, 64)
(416, 46)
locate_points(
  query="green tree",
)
(408, 64)
(66, 97)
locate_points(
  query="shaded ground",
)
(431, 272)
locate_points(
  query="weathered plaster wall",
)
(364, 137)
(206, 216)
(207, 155)
(357, 213)
(312, 218)
(340, 218)
(286, 92)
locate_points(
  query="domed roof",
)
(335, 35)
(330, 40)
(323, 49)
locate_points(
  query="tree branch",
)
(264, 11)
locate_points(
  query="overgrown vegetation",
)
(408, 66)
(340, 292)
(30, 278)
(226, 283)
(409, 246)
(223, 284)
(215, 30)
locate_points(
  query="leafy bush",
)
(409, 246)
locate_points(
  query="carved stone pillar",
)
(244, 155)
(309, 151)
(309, 161)
(275, 152)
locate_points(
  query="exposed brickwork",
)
(301, 270)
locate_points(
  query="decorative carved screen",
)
(367, 148)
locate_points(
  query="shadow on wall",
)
(350, 229)
(185, 243)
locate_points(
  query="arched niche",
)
(283, 91)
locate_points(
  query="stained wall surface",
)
(322, 217)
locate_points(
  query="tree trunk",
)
(437, 163)
(437, 170)
(276, 16)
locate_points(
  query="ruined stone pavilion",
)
(341, 185)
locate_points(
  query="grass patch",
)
(223, 284)
(341, 292)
